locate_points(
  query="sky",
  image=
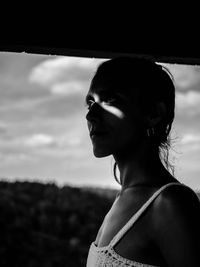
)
(43, 130)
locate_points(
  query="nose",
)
(94, 113)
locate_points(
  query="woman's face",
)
(114, 121)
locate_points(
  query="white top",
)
(106, 256)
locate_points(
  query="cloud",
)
(189, 138)
(67, 88)
(3, 128)
(185, 76)
(190, 142)
(63, 74)
(38, 140)
(69, 139)
(55, 142)
(15, 158)
(188, 101)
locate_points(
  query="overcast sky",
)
(43, 131)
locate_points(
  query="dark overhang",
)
(161, 51)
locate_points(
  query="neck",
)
(143, 169)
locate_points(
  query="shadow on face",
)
(113, 122)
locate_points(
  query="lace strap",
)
(135, 217)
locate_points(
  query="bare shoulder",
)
(178, 200)
(176, 225)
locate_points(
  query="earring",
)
(150, 132)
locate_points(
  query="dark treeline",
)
(44, 225)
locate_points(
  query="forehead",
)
(101, 90)
(105, 90)
(106, 83)
(108, 87)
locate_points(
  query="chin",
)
(101, 153)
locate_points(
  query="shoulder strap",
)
(135, 217)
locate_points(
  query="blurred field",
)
(42, 225)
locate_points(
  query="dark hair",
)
(154, 83)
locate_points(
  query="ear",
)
(157, 114)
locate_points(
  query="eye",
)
(105, 100)
(109, 101)
(89, 103)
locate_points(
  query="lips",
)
(95, 132)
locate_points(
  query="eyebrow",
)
(105, 93)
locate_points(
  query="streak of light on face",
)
(108, 107)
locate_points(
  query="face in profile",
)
(127, 96)
(114, 122)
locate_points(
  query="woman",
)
(155, 219)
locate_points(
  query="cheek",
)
(129, 131)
